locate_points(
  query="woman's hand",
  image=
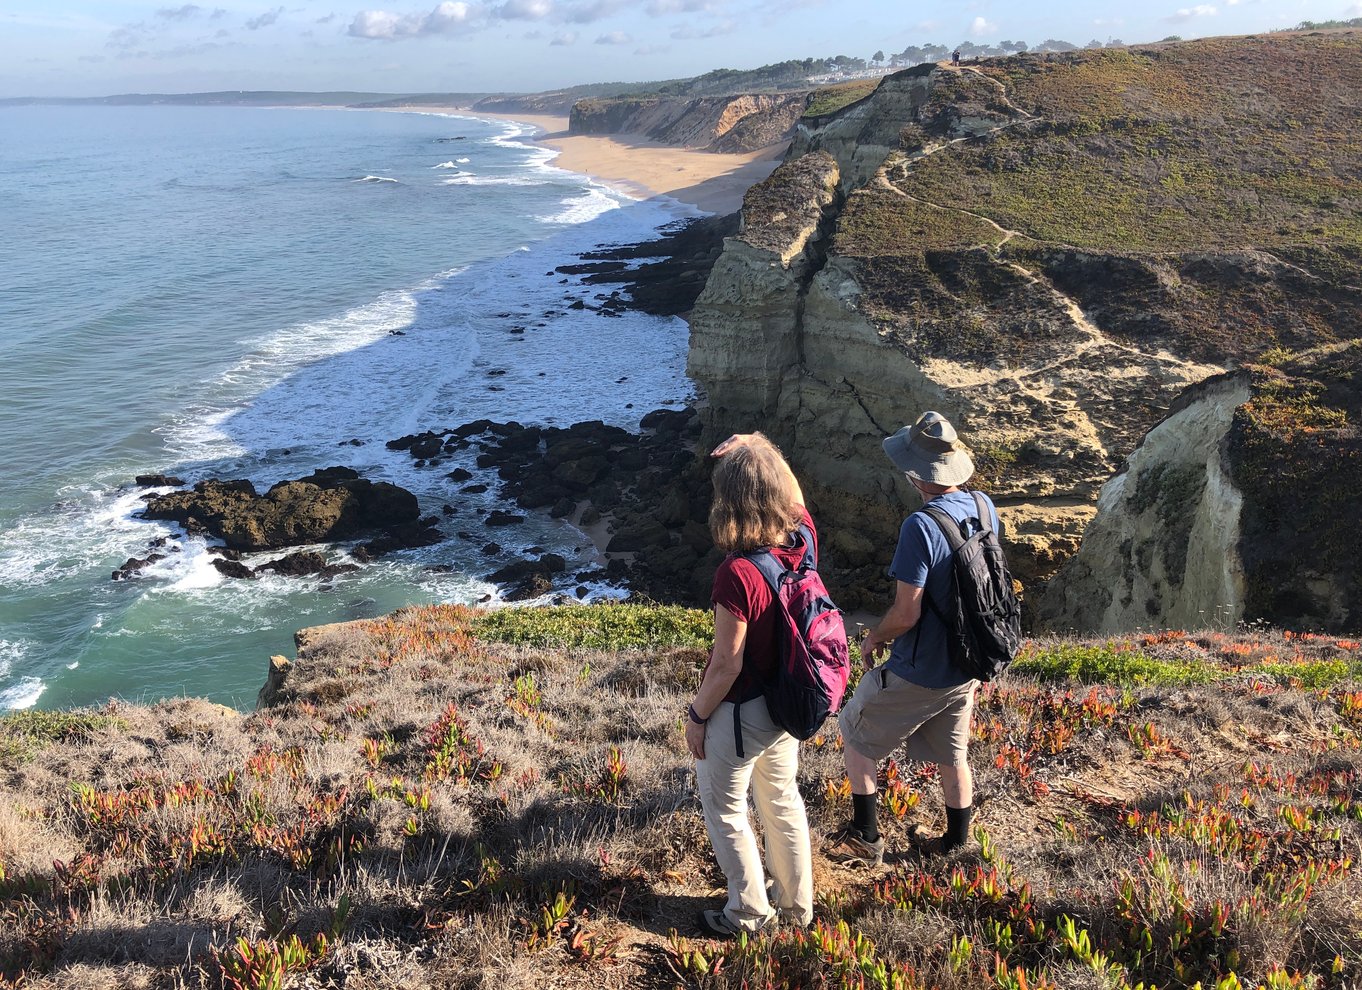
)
(695, 739)
(732, 443)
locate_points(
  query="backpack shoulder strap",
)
(985, 516)
(809, 562)
(767, 566)
(950, 529)
(773, 570)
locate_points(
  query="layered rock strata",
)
(726, 124)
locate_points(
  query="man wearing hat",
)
(917, 696)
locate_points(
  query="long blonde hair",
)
(754, 503)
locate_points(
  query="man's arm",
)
(902, 616)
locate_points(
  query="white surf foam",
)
(90, 527)
(25, 692)
(23, 695)
(449, 164)
(583, 208)
(463, 161)
(376, 178)
(469, 179)
(202, 434)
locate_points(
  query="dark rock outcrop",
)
(234, 569)
(329, 505)
(158, 481)
(650, 485)
(305, 562)
(687, 251)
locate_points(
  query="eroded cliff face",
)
(728, 124)
(1165, 542)
(975, 246)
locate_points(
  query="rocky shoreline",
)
(641, 496)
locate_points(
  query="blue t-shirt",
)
(922, 559)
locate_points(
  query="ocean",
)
(241, 293)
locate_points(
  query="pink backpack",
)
(814, 664)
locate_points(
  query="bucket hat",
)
(930, 451)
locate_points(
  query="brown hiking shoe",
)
(850, 847)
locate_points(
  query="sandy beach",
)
(643, 168)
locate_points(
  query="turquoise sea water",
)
(224, 292)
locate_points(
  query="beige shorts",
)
(886, 710)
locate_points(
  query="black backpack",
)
(984, 626)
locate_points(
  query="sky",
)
(106, 47)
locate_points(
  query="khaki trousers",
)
(769, 768)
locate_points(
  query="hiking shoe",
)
(935, 846)
(715, 924)
(851, 847)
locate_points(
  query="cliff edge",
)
(1049, 249)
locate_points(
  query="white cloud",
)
(179, 13)
(564, 38)
(524, 10)
(688, 33)
(1191, 13)
(585, 13)
(446, 17)
(660, 7)
(383, 25)
(1354, 11)
(380, 24)
(979, 28)
(615, 38)
(264, 20)
(127, 37)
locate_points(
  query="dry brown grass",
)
(565, 778)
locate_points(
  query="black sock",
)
(957, 826)
(865, 815)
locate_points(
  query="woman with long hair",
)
(758, 505)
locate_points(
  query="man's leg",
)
(861, 771)
(958, 785)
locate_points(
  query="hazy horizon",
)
(93, 48)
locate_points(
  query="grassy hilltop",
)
(455, 798)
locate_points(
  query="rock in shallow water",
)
(331, 504)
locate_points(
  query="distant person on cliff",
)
(918, 695)
(955, 57)
(757, 504)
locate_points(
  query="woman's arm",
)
(725, 664)
(742, 439)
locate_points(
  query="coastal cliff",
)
(726, 124)
(1050, 249)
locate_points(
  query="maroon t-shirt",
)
(740, 588)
